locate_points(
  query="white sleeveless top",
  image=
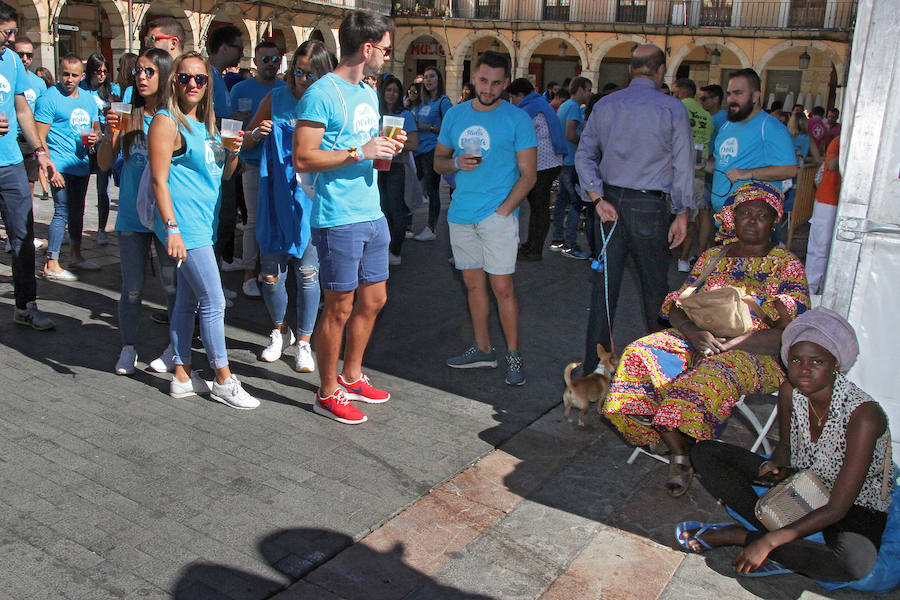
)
(826, 456)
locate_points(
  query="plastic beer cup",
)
(390, 128)
(230, 131)
(123, 111)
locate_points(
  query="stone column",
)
(453, 81)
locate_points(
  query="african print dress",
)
(662, 380)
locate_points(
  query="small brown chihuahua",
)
(590, 388)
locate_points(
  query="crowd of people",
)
(322, 166)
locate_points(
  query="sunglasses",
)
(269, 59)
(25, 54)
(101, 71)
(386, 52)
(152, 39)
(148, 72)
(10, 32)
(199, 78)
(304, 75)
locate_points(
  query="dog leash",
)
(599, 264)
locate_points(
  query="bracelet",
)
(255, 135)
(597, 201)
(456, 162)
(173, 231)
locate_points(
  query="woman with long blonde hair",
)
(187, 164)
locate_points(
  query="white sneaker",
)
(684, 266)
(426, 235)
(304, 362)
(409, 234)
(251, 289)
(166, 362)
(229, 294)
(231, 393)
(234, 265)
(277, 343)
(127, 361)
(394, 259)
(185, 389)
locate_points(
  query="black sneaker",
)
(557, 246)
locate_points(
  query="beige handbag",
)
(724, 312)
(791, 499)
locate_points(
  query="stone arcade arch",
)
(679, 55)
(527, 50)
(456, 62)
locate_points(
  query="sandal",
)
(699, 528)
(681, 473)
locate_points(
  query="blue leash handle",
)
(600, 264)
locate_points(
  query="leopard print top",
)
(826, 456)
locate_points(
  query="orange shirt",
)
(830, 188)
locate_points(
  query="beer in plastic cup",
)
(86, 131)
(230, 131)
(2, 115)
(390, 128)
(476, 154)
(123, 110)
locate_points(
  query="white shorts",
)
(491, 245)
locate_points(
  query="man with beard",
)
(337, 138)
(491, 146)
(752, 145)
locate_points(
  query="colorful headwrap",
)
(754, 190)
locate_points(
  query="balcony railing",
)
(379, 6)
(838, 15)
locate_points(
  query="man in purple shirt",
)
(635, 156)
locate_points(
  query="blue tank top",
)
(195, 184)
(132, 170)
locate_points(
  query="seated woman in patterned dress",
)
(680, 385)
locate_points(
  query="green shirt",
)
(701, 125)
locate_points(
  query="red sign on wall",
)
(426, 49)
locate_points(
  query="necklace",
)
(819, 420)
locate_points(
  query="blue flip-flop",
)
(685, 526)
(769, 567)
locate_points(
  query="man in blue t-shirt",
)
(752, 145)
(24, 47)
(336, 138)
(65, 115)
(15, 196)
(246, 97)
(491, 146)
(571, 117)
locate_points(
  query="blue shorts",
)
(352, 254)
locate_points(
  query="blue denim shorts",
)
(352, 254)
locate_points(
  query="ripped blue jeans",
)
(134, 254)
(306, 272)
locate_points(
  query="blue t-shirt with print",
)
(570, 110)
(221, 98)
(195, 184)
(102, 105)
(431, 112)
(500, 132)
(132, 169)
(255, 91)
(67, 115)
(36, 89)
(763, 141)
(13, 80)
(349, 113)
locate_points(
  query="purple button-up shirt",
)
(639, 138)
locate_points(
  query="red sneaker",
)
(363, 390)
(338, 408)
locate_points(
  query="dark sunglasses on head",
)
(269, 59)
(199, 78)
(25, 54)
(304, 75)
(148, 72)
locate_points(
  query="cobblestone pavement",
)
(459, 487)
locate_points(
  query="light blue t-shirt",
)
(801, 146)
(718, 119)
(102, 105)
(195, 184)
(350, 115)
(132, 169)
(221, 97)
(255, 91)
(570, 110)
(126, 95)
(36, 89)
(760, 142)
(13, 80)
(66, 115)
(430, 112)
(500, 132)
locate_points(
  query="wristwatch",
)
(171, 224)
(40, 150)
(354, 153)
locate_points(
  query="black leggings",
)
(851, 545)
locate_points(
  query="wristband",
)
(255, 135)
(359, 154)
(456, 162)
(173, 231)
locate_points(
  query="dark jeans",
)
(15, 208)
(432, 184)
(102, 193)
(851, 545)
(391, 185)
(539, 202)
(642, 231)
(565, 222)
(68, 209)
(227, 220)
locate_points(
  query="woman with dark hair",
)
(187, 164)
(391, 183)
(45, 74)
(152, 71)
(97, 82)
(413, 96)
(125, 77)
(429, 115)
(283, 210)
